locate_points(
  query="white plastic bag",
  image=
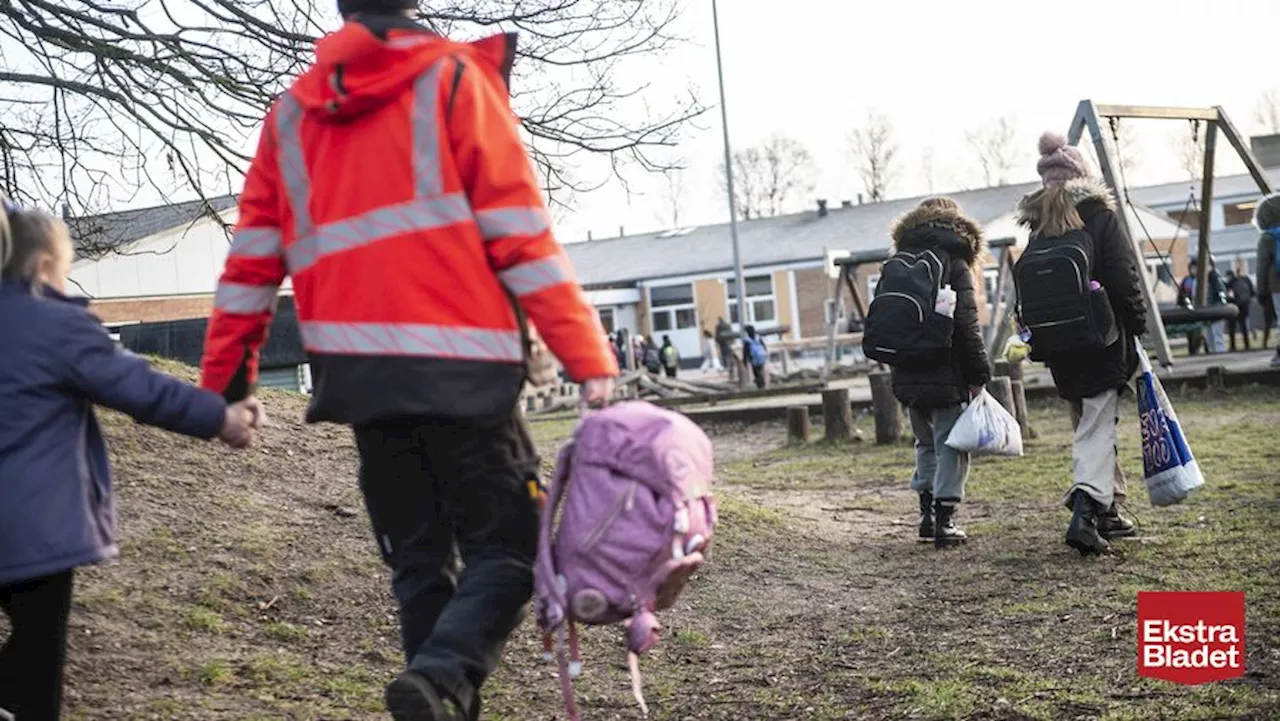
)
(1168, 466)
(986, 428)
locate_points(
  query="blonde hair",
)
(1058, 214)
(25, 236)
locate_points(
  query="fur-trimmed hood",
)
(925, 227)
(1030, 210)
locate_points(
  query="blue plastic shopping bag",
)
(1171, 471)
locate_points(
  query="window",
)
(1190, 219)
(672, 308)
(686, 318)
(606, 319)
(760, 301)
(1159, 271)
(663, 295)
(990, 278)
(1238, 213)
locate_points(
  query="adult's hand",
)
(243, 419)
(975, 391)
(596, 392)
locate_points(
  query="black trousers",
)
(758, 372)
(439, 491)
(1239, 323)
(32, 659)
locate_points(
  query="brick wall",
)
(151, 310)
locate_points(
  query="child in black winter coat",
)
(936, 397)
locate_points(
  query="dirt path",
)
(249, 589)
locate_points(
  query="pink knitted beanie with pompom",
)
(1059, 162)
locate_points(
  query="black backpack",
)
(902, 327)
(1056, 300)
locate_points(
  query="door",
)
(672, 313)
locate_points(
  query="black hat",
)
(375, 7)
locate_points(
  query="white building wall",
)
(186, 260)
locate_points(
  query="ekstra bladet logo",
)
(1191, 637)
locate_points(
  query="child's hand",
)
(242, 421)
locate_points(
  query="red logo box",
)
(1191, 637)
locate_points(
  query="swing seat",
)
(1173, 314)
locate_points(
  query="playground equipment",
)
(1089, 116)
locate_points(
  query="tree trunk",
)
(837, 414)
(887, 408)
(798, 426)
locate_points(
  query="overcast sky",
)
(813, 68)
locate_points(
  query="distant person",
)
(1214, 337)
(612, 340)
(670, 357)
(710, 353)
(936, 396)
(1267, 220)
(1240, 292)
(725, 336)
(755, 355)
(652, 357)
(1073, 214)
(392, 185)
(57, 506)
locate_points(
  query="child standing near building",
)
(923, 322)
(57, 510)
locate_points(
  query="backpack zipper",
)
(1053, 323)
(916, 303)
(625, 502)
(919, 258)
(1075, 265)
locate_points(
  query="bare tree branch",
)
(101, 101)
(769, 176)
(875, 155)
(998, 150)
(1267, 111)
(1189, 147)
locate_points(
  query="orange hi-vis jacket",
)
(391, 184)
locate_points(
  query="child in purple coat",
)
(57, 510)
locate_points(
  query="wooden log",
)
(745, 378)
(650, 384)
(1215, 378)
(837, 414)
(1002, 390)
(1000, 369)
(1020, 407)
(798, 426)
(679, 385)
(887, 408)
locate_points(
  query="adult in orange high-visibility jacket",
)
(390, 183)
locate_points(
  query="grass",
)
(242, 595)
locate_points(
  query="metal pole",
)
(728, 176)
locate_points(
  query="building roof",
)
(765, 241)
(98, 233)
(1224, 186)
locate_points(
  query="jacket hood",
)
(924, 227)
(1031, 207)
(372, 60)
(1267, 216)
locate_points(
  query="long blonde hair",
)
(1057, 211)
(25, 235)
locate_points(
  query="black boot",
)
(926, 516)
(945, 531)
(1113, 525)
(1082, 533)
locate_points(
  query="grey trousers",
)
(1096, 469)
(940, 470)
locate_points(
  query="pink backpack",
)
(638, 515)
